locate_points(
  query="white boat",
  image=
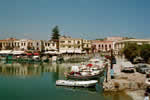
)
(97, 63)
(72, 83)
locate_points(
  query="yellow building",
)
(87, 46)
(70, 45)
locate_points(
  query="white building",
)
(49, 45)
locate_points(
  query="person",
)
(146, 96)
(112, 73)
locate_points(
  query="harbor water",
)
(37, 82)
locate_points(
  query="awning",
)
(70, 51)
(51, 52)
(6, 52)
(36, 54)
(18, 52)
(29, 54)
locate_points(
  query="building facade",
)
(119, 45)
(114, 38)
(50, 45)
(8, 44)
(70, 45)
(102, 46)
(87, 46)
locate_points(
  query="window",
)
(69, 41)
(45, 44)
(110, 46)
(62, 41)
(105, 46)
(37, 43)
(87, 45)
(69, 47)
(99, 45)
(78, 42)
(78, 46)
(48, 44)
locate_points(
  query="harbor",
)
(37, 81)
(101, 74)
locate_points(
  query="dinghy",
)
(72, 83)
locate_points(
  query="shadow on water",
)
(37, 82)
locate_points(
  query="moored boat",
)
(85, 77)
(72, 83)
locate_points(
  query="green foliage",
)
(100, 39)
(145, 52)
(55, 33)
(129, 38)
(131, 50)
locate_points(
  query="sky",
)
(89, 19)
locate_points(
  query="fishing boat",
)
(84, 77)
(72, 83)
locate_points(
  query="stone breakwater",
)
(125, 81)
(133, 84)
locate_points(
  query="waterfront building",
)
(26, 44)
(37, 45)
(16, 45)
(50, 46)
(7, 44)
(114, 38)
(87, 46)
(102, 46)
(70, 45)
(119, 45)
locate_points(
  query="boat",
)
(87, 76)
(72, 83)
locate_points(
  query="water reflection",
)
(29, 70)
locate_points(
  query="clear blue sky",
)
(88, 19)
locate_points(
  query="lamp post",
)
(111, 64)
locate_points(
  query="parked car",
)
(147, 73)
(142, 68)
(127, 67)
(138, 60)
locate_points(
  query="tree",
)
(131, 50)
(101, 39)
(145, 52)
(55, 33)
